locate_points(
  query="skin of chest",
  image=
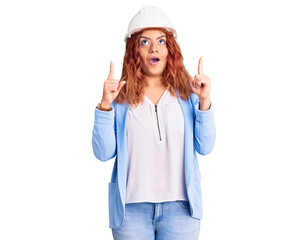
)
(155, 94)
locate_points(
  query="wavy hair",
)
(174, 77)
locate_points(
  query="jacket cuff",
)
(203, 116)
(104, 117)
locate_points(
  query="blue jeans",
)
(158, 221)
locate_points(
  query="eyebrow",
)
(149, 38)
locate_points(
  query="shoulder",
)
(119, 106)
(113, 104)
(194, 98)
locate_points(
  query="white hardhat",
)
(148, 17)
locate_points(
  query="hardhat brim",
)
(129, 35)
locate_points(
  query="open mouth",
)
(154, 60)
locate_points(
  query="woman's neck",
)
(153, 82)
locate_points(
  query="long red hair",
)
(175, 75)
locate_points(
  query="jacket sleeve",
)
(104, 134)
(204, 128)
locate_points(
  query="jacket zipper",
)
(157, 122)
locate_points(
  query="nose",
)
(153, 47)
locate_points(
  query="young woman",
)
(153, 121)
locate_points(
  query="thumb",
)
(120, 85)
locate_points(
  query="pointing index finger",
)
(200, 65)
(111, 71)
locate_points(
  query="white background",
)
(54, 58)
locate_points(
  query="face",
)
(153, 52)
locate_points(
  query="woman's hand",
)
(200, 85)
(111, 88)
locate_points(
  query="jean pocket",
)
(184, 204)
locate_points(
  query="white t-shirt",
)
(155, 164)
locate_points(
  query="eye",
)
(161, 41)
(143, 42)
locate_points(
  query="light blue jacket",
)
(109, 140)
